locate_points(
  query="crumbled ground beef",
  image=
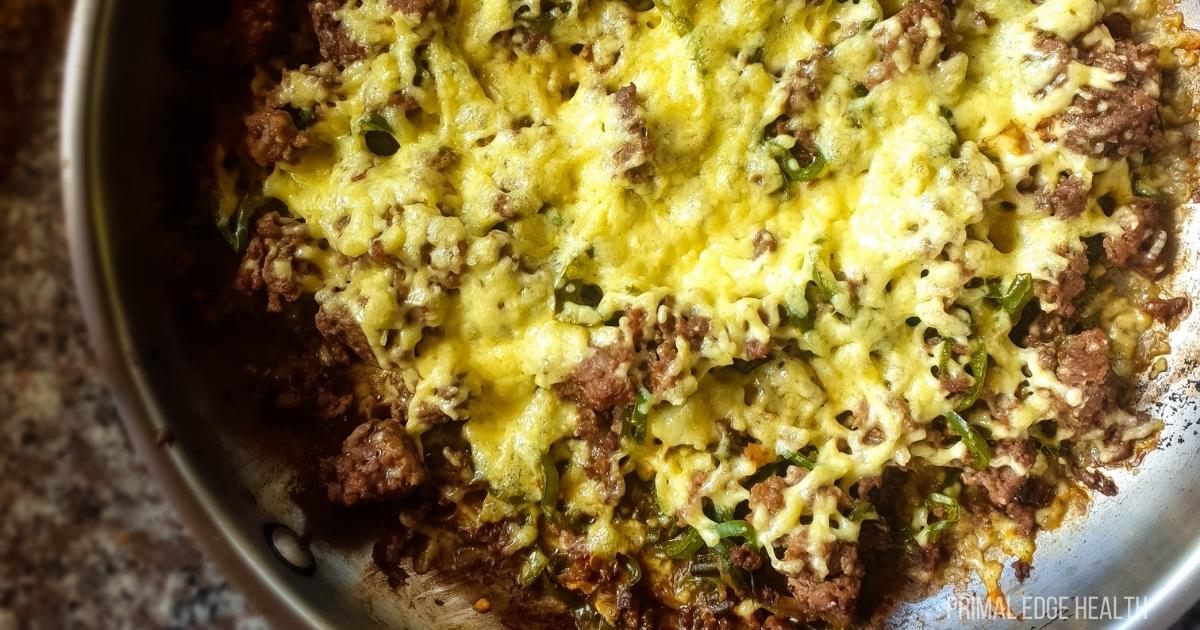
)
(599, 432)
(1017, 495)
(1141, 243)
(601, 381)
(1115, 123)
(673, 329)
(1067, 200)
(1069, 284)
(633, 156)
(271, 136)
(764, 243)
(746, 557)
(377, 462)
(1083, 364)
(910, 38)
(831, 598)
(801, 83)
(1167, 309)
(414, 8)
(270, 262)
(337, 323)
(251, 27)
(1022, 570)
(522, 39)
(336, 43)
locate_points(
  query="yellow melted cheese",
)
(918, 197)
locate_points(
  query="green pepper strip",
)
(862, 511)
(633, 570)
(550, 485)
(824, 279)
(1018, 294)
(237, 228)
(676, 14)
(981, 454)
(799, 460)
(639, 416)
(979, 362)
(952, 509)
(738, 529)
(683, 546)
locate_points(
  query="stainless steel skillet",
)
(122, 151)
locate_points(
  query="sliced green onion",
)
(979, 362)
(683, 546)
(549, 483)
(981, 455)
(790, 166)
(1018, 294)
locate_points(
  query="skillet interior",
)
(131, 123)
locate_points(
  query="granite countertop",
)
(85, 539)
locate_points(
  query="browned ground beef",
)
(336, 43)
(1017, 495)
(764, 243)
(270, 261)
(633, 157)
(913, 34)
(339, 324)
(415, 8)
(674, 328)
(1066, 200)
(1143, 240)
(1082, 362)
(1068, 285)
(1115, 123)
(833, 597)
(271, 136)
(377, 462)
(600, 381)
(1167, 310)
(599, 432)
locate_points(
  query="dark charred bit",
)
(1022, 570)
(601, 381)
(376, 463)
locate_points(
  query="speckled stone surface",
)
(85, 539)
